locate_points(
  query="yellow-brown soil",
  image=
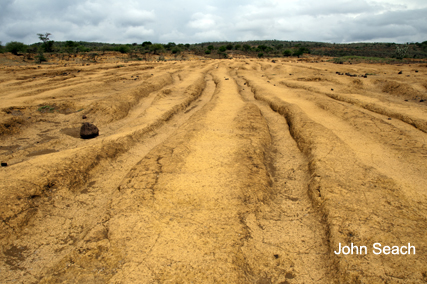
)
(212, 171)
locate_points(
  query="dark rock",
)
(88, 131)
(332, 89)
(274, 61)
(3, 164)
(416, 71)
(400, 72)
(421, 101)
(389, 118)
(84, 117)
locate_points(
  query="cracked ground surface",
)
(217, 171)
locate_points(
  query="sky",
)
(196, 21)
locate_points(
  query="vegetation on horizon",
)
(371, 52)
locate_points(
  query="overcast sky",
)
(195, 21)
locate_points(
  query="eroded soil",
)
(216, 171)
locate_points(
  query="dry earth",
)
(216, 171)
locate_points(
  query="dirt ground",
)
(213, 171)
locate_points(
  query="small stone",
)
(88, 131)
(3, 164)
(332, 89)
(84, 117)
(389, 118)
(421, 101)
(400, 72)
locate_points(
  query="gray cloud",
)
(190, 21)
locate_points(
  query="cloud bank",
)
(190, 21)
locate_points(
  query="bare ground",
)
(232, 171)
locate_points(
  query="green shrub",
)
(246, 47)
(287, 52)
(207, 51)
(222, 49)
(14, 47)
(260, 55)
(44, 109)
(123, 49)
(40, 58)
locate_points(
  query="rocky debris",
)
(400, 72)
(3, 164)
(88, 131)
(84, 117)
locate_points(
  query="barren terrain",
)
(213, 171)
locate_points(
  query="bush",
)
(260, 55)
(246, 47)
(207, 51)
(287, 52)
(211, 47)
(156, 48)
(40, 58)
(229, 47)
(14, 47)
(123, 49)
(222, 49)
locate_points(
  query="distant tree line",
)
(265, 48)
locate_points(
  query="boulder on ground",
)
(88, 131)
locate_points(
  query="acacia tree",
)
(47, 45)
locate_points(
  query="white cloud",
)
(195, 21)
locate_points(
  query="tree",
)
(222, 48)
(47, 45)
(14, 47)
(70, 46)
(401, 51)
(237, 46)
(301, 51)
(229, 46)
(211, 47)
(156, 48)
(170, 45)
(260, 55)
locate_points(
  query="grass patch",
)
(44, 109)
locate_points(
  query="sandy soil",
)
(216, 171)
